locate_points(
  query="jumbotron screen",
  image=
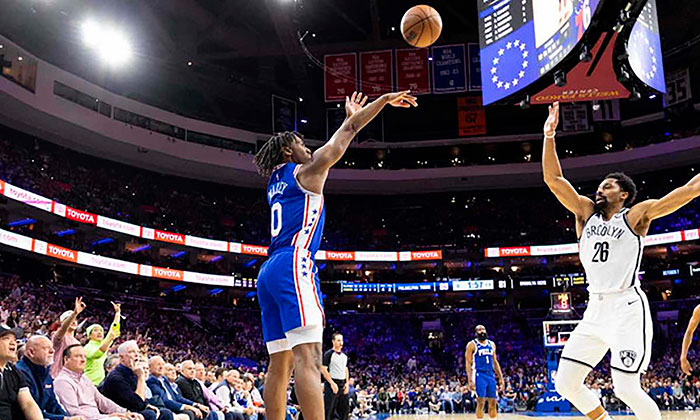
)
(523, 39)
(644, 48)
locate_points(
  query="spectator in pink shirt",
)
(79, 395)
(65, 336)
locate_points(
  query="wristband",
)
(550, 136)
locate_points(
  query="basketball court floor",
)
(665, 415)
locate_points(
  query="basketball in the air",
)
(421, 26)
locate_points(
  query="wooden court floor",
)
(665, 415)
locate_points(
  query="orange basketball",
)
(421, 26)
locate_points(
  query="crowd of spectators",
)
(464, 220)
(159, 361)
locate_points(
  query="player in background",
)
(288, 288)
(482, 369)
(617, 318)
(686, 367)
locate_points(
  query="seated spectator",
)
(65, 336)
(214, 402)
(16, 402)
(160, 386)
(126, 384)
(255, 395)
(110, 363)
(191, 389)
(211, 378)
(38, 355)
(78, 394)
(225, 391)
(98, 347)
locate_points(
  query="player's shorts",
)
(485, 385)
(619, 322)
(291, 306)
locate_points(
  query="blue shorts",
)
(485, 385)
(291, 306)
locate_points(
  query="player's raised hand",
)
(552, 122)
(686, 367)
(354, 103)
(402, 99)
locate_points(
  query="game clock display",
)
(521, 40)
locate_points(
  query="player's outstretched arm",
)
(581, 206)
(688, 339)
(641, 215)
(312, 174)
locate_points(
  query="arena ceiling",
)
(242, 51)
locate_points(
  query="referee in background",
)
(335, 374)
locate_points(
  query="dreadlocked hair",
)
(271, 153)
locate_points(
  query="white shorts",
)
(619, 322)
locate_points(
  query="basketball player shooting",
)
(611, 239)
(288, 287)
(482, 369)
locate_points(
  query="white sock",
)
(604, 416)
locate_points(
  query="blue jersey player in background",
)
(482, 370)
(288, 286)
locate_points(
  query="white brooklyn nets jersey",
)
(611, 253)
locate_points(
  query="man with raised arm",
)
(611, 238)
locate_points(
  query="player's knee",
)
(627, 388)
(565, 387)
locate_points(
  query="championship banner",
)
(284, 114)
(574, 118)
(677, 87)
(607, 111)
(376, 73)
(340, 76)
(474, 64)
(449, 69)
(471, 116)
(588, 81)
(412, 71)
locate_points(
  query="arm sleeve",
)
(53, 410)
(93, 351)
(127, 396)
(68, 396)
(327, 358)
(107, 406)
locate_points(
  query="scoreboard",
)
(521, 40)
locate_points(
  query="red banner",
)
(253, 249)
(168, 273)
(81, 216)
(340, 76)
(426, 255)
(471, 116)
(412, 71)
(587, 83)
(340, 256)
(62, 253)
(175, 238)
(376, 73)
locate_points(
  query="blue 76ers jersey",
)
(483, 357)
(297, 215)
